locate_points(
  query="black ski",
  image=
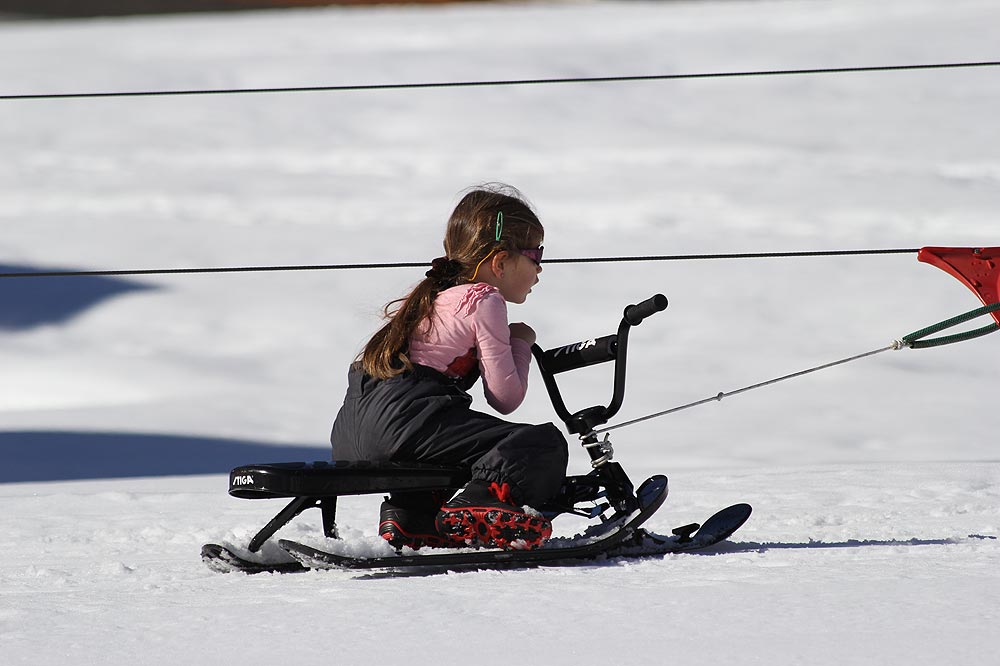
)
(591, 544)
(621, 538)
(716, 529)
(222, 560)
(629, 541)
(650, 496)
(553, 551)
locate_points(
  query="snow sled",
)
(606, 494)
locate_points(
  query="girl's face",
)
(516, 275)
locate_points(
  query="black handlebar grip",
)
(634, 314)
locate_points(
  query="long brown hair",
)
(488, 219)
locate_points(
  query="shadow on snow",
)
(755, 547)
(62, 456)
(30, 302)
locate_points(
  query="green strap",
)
(913, 340)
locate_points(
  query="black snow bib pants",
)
(424, 416)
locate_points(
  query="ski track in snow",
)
(875, 486)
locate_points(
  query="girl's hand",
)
(522, 331)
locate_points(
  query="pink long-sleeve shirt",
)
(470, 326)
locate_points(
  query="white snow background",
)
(124, 403)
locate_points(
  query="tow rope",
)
(976, 268)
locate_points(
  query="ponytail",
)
(474, 233)
(386, 354)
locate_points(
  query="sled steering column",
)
(618, 488)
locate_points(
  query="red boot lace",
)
(501, 492)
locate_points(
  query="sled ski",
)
(651, 495)
(719, 527)
(605, 495)
(223, 560)
(627, 541)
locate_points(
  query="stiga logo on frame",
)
(244, 480)
(575, 347)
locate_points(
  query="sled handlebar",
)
(591, 352)
(634, 314)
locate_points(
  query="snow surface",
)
(123, 403)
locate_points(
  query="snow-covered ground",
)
(123, 403)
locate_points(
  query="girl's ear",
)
(499, 262)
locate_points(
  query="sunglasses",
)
(535, 254)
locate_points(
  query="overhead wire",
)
(499, 82)
(422, 264)
(468, 84)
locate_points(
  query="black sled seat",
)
(318, 484)
(338, 477)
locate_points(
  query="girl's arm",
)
(503, 360)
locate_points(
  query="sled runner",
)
(605, 495)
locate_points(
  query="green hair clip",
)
(499, 224)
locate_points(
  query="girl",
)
(407, 401)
